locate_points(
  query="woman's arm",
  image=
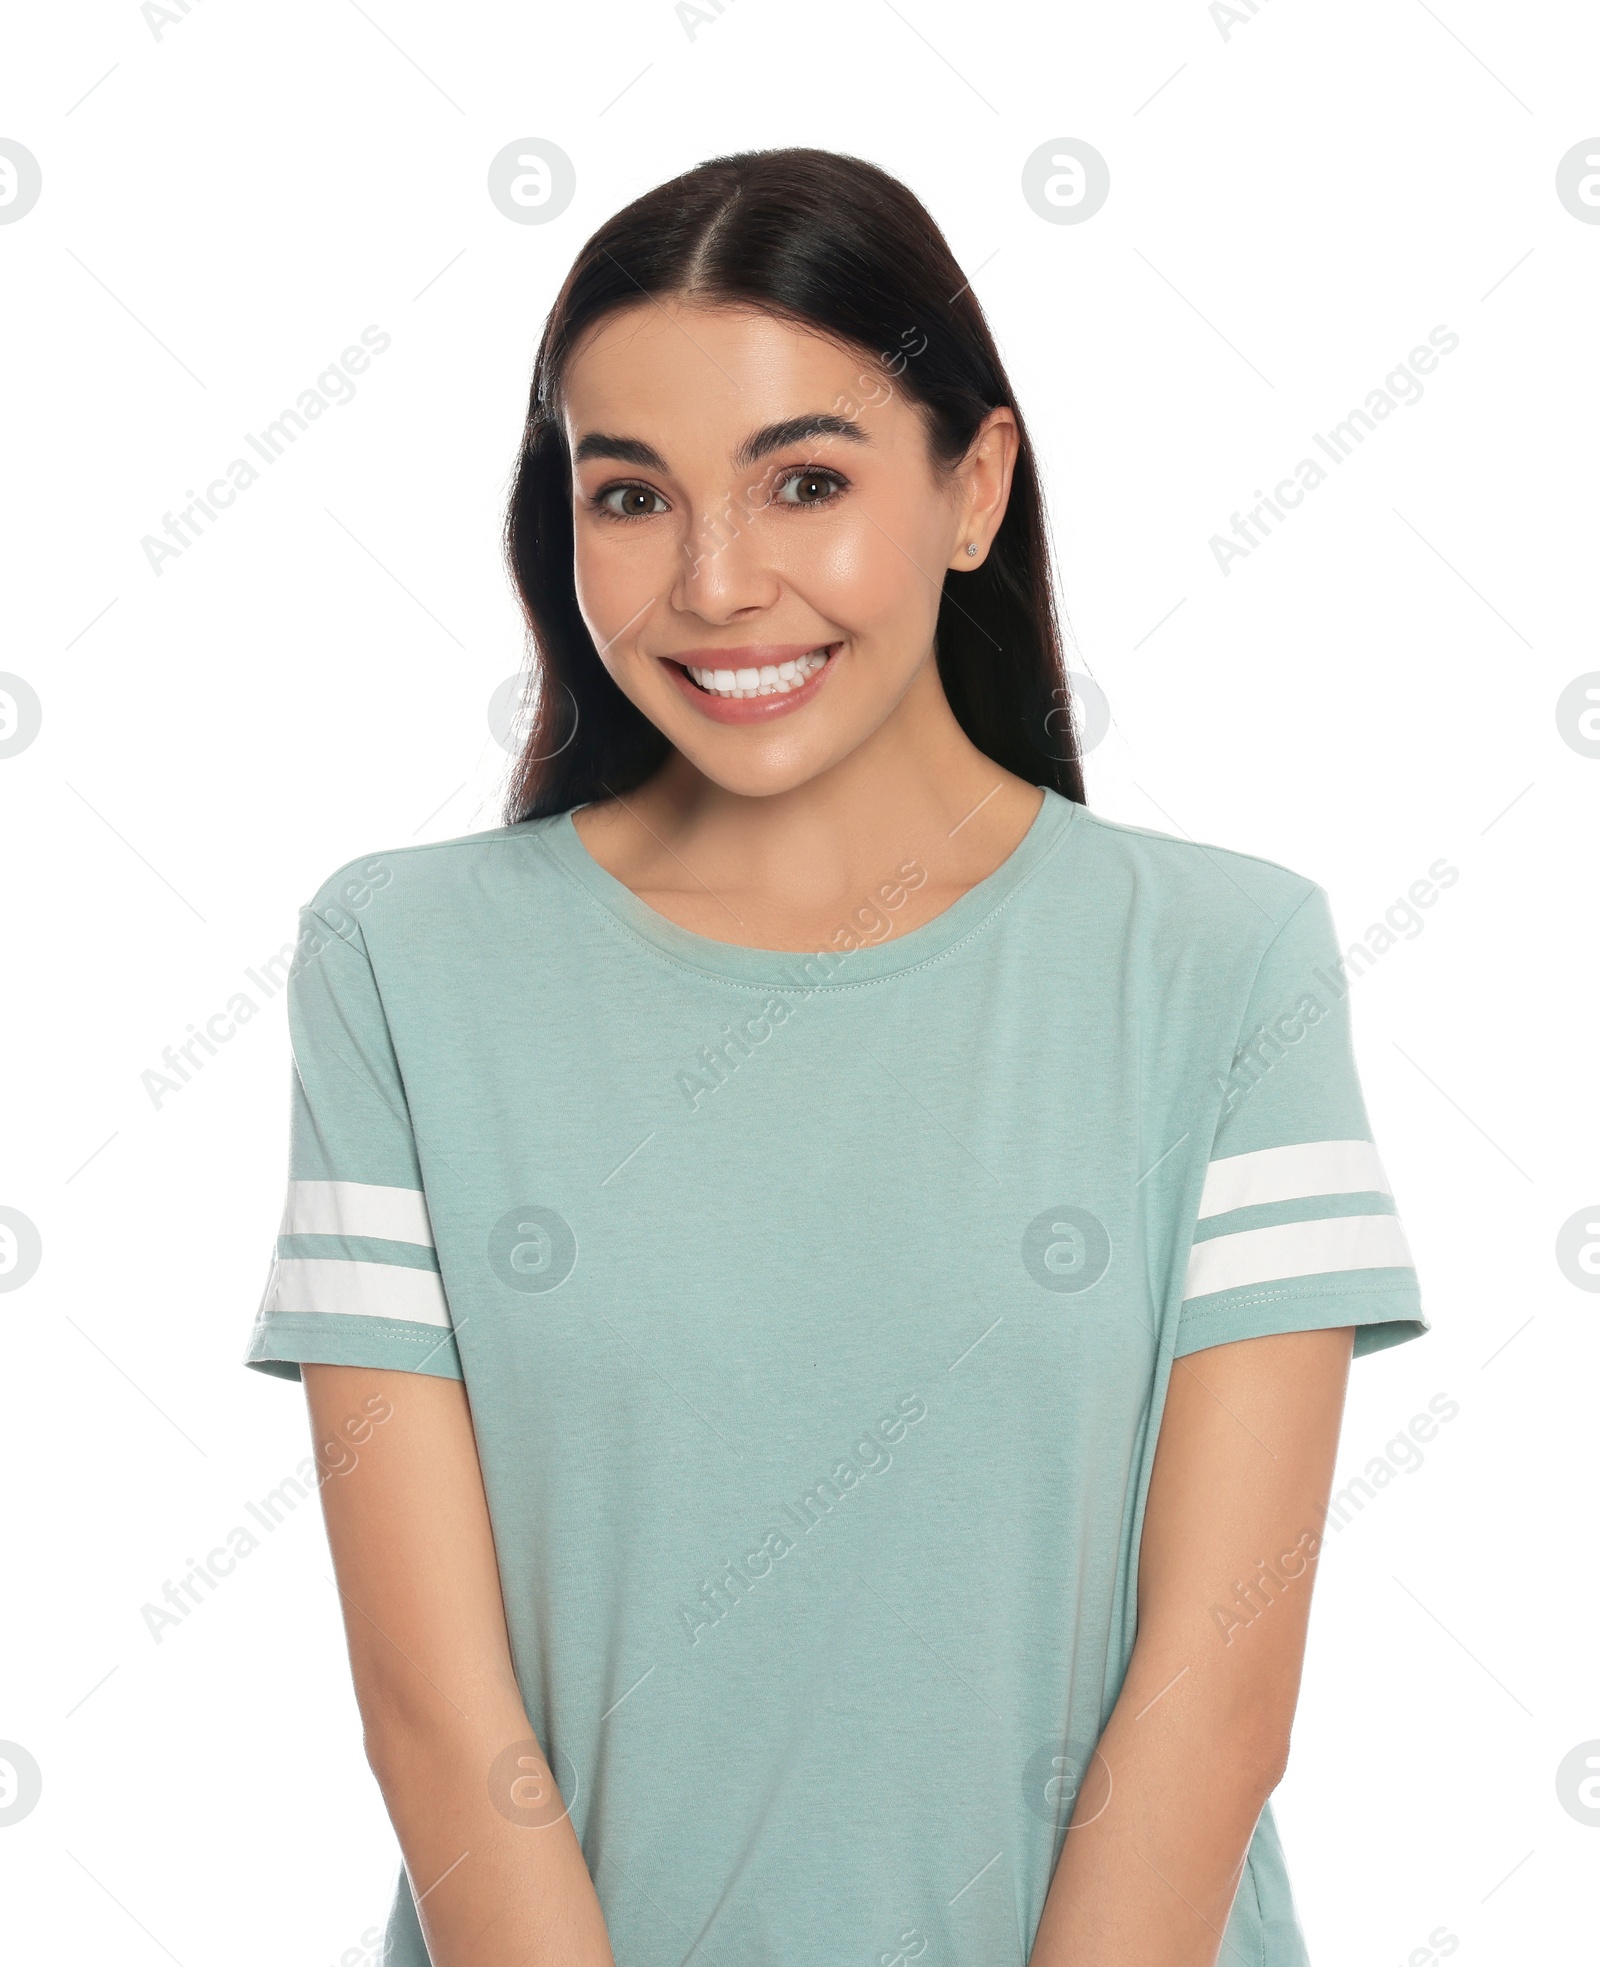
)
(1200, 1733)
(414, 1557)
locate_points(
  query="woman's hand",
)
(414, 1556)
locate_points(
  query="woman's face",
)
(761, 537)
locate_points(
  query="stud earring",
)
(972, 552)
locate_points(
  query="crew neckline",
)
(827, 969)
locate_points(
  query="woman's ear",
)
(984, 476)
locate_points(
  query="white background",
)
(1294, 205)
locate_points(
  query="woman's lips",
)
(748, 710)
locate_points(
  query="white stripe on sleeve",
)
(356, 1209)
(356, 1290)
(1283, 1174)
(1288, 1250)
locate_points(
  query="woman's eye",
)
(808, 487)
(631, 501)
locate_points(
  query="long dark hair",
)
(837, 245)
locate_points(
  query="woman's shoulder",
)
(429, 874)
(1212, 889)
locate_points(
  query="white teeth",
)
(770, 680)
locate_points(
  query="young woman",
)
(824, 1273)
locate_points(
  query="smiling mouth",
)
(770, 680)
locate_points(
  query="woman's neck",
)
(781, 870)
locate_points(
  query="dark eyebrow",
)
(771, 437)
(625, 450)
(795, 430)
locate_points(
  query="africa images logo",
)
(532, 1249)
(1066, 1249)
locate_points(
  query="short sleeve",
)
(355, 1277)
(1297, 1228)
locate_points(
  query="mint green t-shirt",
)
(816, 1315)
